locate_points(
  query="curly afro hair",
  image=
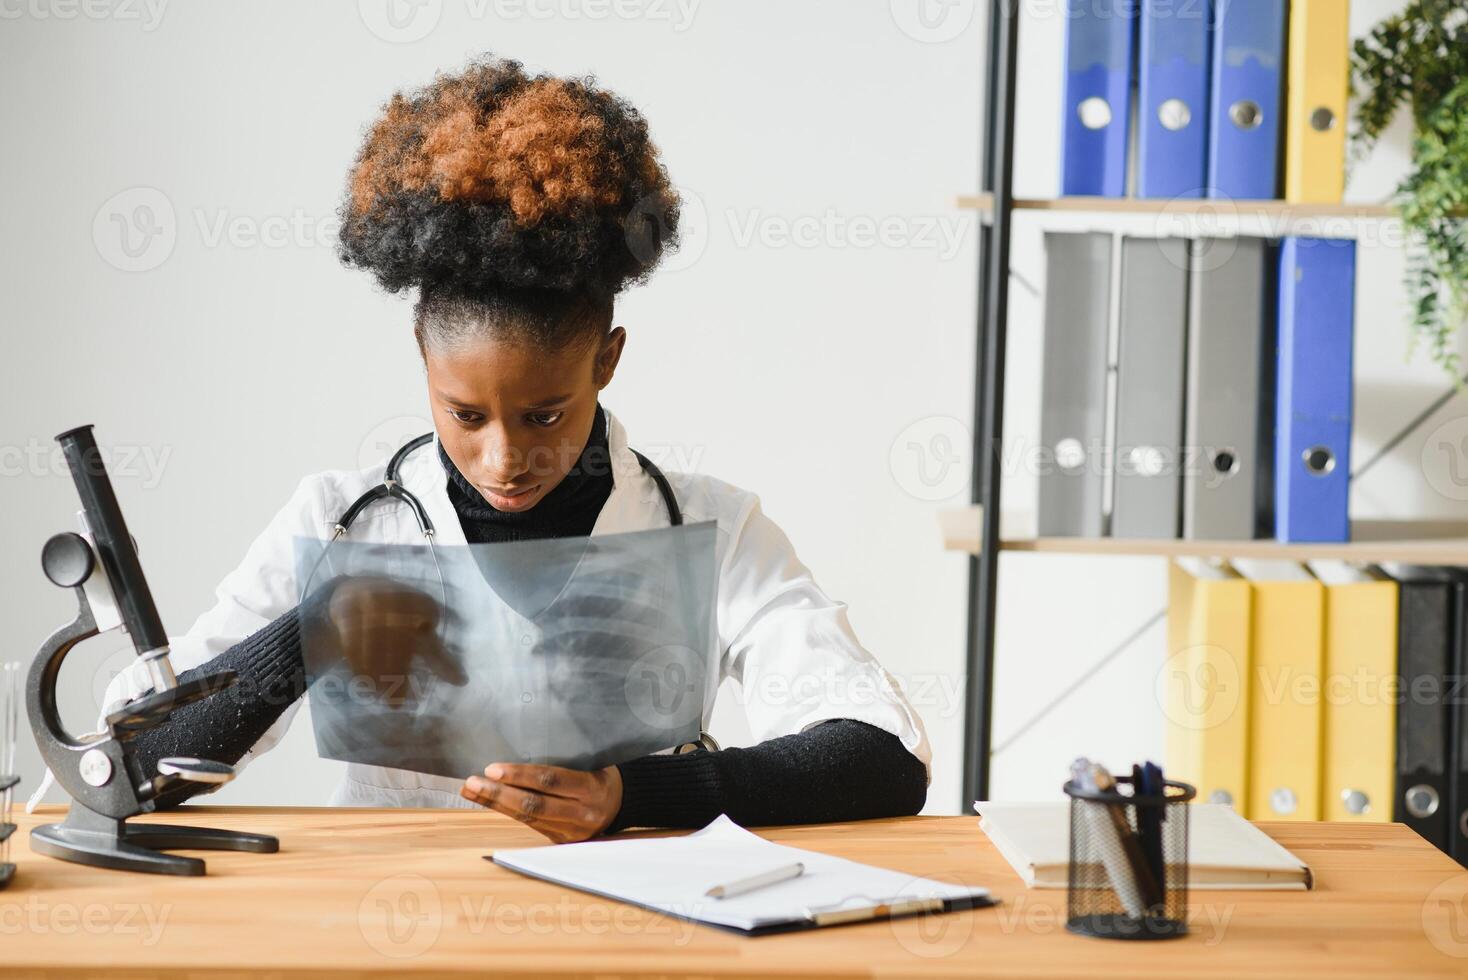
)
(492, 184)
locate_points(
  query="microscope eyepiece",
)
(115, 549)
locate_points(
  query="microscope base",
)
(88, 837)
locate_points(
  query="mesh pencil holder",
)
(1128, 862)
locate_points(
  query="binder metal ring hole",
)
(1318, 460)
(1225, 462)
(1246, 114)
(1174, 114)
(1422, 801)
(1322, 120)
(1095, 113)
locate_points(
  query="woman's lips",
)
(513, 501)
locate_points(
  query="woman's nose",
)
(503, 462)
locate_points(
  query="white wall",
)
(781, 361)
(785, 351)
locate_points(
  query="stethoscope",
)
(391, 488)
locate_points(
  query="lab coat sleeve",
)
(791, 648)
(260, 590)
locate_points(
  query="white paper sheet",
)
(672, 875)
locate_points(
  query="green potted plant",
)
(1419, 58)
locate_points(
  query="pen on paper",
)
(741, 885)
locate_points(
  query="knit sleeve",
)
(222, 728)
(839, 770)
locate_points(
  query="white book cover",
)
(1224, 850)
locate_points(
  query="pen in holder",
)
(1128, 861)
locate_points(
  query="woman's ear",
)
(608, 356)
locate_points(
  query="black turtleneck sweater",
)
(569, 510)
(838, 770)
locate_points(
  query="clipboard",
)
(817, 917)
(670, 875)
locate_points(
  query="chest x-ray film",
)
(580, 652)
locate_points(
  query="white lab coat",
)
(786, 644)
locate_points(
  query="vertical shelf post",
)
(993, 308)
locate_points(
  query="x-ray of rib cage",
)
(580, 652)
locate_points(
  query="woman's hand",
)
(384, 629)
(563, 804)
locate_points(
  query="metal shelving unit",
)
(1372, 542)
(976, 529)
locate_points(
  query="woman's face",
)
(514, 419)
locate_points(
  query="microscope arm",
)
(104, 777)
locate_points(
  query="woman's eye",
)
(464, 418)
(545, 418)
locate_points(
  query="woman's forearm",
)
(272, 677)
(839, 770)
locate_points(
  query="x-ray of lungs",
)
(580, 652)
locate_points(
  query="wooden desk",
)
(405, 892)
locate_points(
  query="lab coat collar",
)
(634, 504)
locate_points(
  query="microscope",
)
(99, 770)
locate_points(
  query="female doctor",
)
(516, 207)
